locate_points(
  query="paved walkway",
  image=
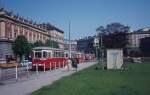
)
(30, 85)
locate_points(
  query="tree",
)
(100, 30)
(116, 27)
(52, 44)
(114, 35)
(21, 46)
(48, 43)
(37, 44)
(115, 40)
(145, 46)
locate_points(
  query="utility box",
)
(114, 58)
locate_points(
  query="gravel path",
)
(32, 84)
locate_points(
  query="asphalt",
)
(34, 83)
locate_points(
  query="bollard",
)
(0, 74)
(50, 66)
(59, 65)
(63, 65)
(55, 66)
(27, 70)
(16, 73)
(37, 72)
(44, 66)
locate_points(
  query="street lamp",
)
(101, 47)
(96, 45)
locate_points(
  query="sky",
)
(85, 15)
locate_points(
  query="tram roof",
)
(45, 48)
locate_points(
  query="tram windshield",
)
(38, 55)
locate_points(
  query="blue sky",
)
(85, 15)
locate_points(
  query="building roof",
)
(141, 31)
(45, 48)
(49, 26)
(44, 27)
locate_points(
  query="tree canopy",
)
(21, 46)
(112, 27)
(38, 43)
(115, 40)
(48, 43)
(52, 44)
(113, 35)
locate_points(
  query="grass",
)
(134, 81)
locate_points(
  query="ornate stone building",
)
(12, 25)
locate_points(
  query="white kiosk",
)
(114, 58)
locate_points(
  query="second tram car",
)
(77, 55)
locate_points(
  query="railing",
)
(18, 73)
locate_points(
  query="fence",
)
(24, 73)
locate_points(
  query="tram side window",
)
(56, 54)
(62, 54)
(44, 54)
(49, 54)
(38, 55)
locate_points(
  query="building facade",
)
(135, 37)
(85, 45)
(73, 44)
(12, 25)
(54, 33)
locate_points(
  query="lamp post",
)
(96, 45)
(101, 47)
(69, 42)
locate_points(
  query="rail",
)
(17, 73)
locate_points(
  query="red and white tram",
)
(46, 57)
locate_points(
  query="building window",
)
(21, 30)
(37, 36)
(30, 36)
(15, 31)
(8, 30)
(26, 33)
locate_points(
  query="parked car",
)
(26, 62)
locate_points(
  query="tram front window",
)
(38, 54)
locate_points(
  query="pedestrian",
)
(69, 63)
(74, 63)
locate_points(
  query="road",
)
(32, 84)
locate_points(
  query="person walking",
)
(69, 64)
(75, 63)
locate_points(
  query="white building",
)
(135, 37)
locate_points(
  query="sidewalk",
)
(26, 87)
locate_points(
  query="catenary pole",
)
(69, 41)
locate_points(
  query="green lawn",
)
(134, 81)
